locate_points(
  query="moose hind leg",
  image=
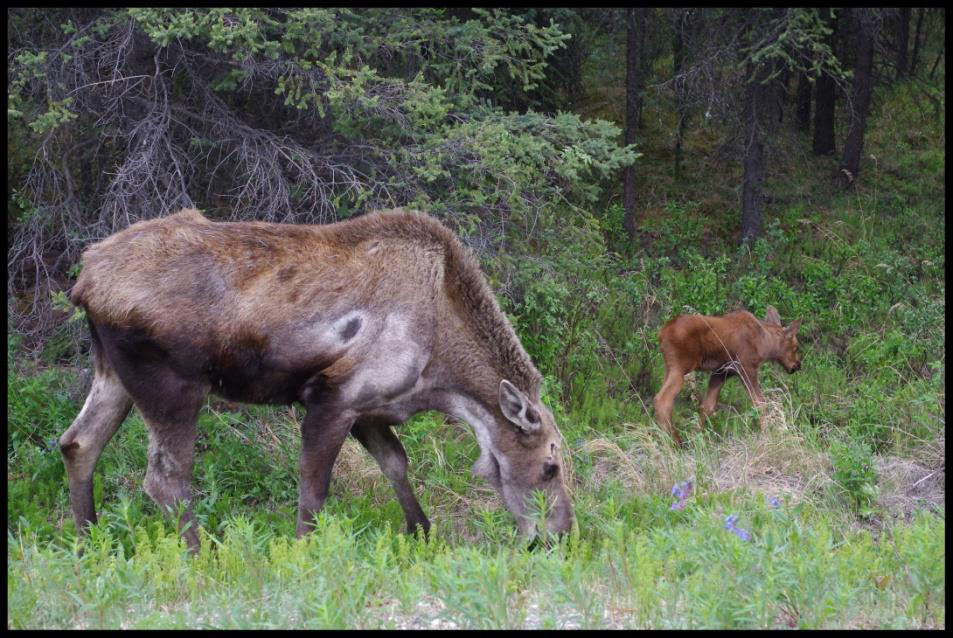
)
(385, 447)
(168, 478)
(665, 401)
(106, 407)
(170, 414)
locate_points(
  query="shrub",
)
(854, 474)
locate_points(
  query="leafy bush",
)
(854, 473)
(351, 110)
(38, 406)
(700, 286)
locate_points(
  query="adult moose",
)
(732, 344)
(365, 322)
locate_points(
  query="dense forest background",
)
(514, 126)
(611, 168)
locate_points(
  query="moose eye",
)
(531, 416)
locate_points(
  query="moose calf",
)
(732, 344)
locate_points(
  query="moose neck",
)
(472, 405)
(768, 348)
(473, 354)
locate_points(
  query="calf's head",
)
(786, 350)
(526, 457)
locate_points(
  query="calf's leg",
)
(708, 405)
(665, 400)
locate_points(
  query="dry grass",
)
(774, 416)
(426, 614)
(910, 484)
(356, 471)
(776, 461)
(773, 462)
(648, 462)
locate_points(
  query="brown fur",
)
(365, 322)
(124, 280)
(732, 344)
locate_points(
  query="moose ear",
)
(791, 329)
(517, 409)
(772, 317)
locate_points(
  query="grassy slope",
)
(855, 451)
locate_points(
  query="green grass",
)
(642, 567)
(854, 448)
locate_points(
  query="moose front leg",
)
(322, 434)
(387, 450)
(708, 405)
(749, 376)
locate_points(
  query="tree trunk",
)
(863, 85)
(631, 113)
(916, 41)
(752, 200)
(903, 42)
(641, 19)
(678, 58)
(779, 90)
(824, 100)
(939, 56)
(574, 57)
(803, 103)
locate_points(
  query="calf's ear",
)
(517, 409)
(772, 317)
(791, 329)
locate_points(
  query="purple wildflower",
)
(687, 488)
(775, 503)
(742, 534)
(681, 492)
(730, 526)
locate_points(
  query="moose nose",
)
(561, 521)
